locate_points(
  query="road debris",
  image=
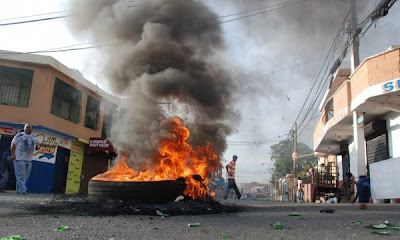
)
(327, 210)
(193, 224)
(363, 206)
(295, 214)
(15, 237)
(159, 213)
(225, 235)
(61, 228)
(278, 226)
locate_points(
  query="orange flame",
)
(175, 158)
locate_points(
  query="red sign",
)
(100, 145)
(7, 131)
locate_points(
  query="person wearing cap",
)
(230, 169)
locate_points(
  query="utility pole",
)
(295, 157)
(355, 40)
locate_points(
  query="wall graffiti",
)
(48, 154)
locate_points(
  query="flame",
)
(175, 158)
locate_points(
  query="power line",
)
(31, 21)
(385, 4)
(256, 142)
(319, 73)
(282, 5)
(270, 10)
(40, 14)
(258, 9)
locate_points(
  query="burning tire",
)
(150, 191)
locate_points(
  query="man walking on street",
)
(22, 147)
(230, 169)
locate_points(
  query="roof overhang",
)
(378, 100)
(334, 136)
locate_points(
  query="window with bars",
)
(109, 111)
(66, 102)
(15, 86)
(92, 113)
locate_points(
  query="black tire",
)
(150, 191)
(348, 192)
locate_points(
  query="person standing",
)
(5, 169)
(230, 169)
(300, 191)
(23, 145)
(311, 173)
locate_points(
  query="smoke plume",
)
(161, 52)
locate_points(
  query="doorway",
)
(60, 170)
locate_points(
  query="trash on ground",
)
(391, 226)
(358, 222)
(278, 226)
(363, 206)
(381, 232)
(327, 210)
(161, 214)
(296, 214)
(193, 224)
(378, 226)
(179, 198)
(15, 237)
(225, 235)
(62, 228)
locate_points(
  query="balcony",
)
(376, 84)
(373, 91)
(335, 122)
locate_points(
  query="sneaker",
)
(24, 193)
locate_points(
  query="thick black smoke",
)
(161, 51)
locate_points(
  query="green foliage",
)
(281, 156)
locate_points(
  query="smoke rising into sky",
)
(274, 58)
(163, 54)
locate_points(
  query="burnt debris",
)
(84, 207)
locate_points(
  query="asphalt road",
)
(253, 222)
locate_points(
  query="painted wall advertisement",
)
(75, 168)
(48, 154)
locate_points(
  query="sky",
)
(274, 52)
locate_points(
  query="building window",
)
(329, 114)
(66, 101)
(109, 112)
(15, 86)
(92, 113)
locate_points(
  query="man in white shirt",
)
(23, 146)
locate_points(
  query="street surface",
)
(254, 222)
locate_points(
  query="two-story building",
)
(359, 125)
(65, 109)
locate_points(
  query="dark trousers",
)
(232, 184)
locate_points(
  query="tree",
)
(281, 156)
